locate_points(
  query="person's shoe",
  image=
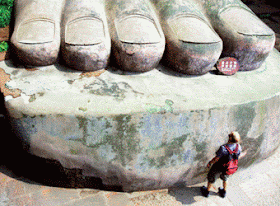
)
(204, 191)
(222, 192)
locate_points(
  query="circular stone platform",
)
(142, 131)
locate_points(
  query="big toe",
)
(36, 36)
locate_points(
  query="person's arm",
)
(213, 161)
(242, 154)
(219, 154)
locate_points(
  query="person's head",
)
(234, 137)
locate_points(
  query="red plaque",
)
(228, 66)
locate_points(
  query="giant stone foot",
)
(147, 130)
(196, 33)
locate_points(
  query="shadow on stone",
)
(186, 195)
(16, 162)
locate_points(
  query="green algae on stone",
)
(151, 108)
(73, 152)
(116, 90)
(163, 155)
(83, 124)
(83, 109)
(122, 140)
(32, 98)
(243, 118)
(41, 94)
(125, 141)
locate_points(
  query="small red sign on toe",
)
(228, 66)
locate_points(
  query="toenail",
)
(244, 22)
(193, 29)
(85, 31)
(137, 29)
(36, 31)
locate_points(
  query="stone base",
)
(142, 131)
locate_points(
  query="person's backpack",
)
(232, 165)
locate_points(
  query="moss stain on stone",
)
(152, 108)
(28, 116)
(243, 118)
(124, 142)
(70, 81)
(113, 89)
(32, 98)
(200, 148)
(83, 109)
(73, 152)
(83, 124)
(41, 94)
(168, 150)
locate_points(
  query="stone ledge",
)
(45, 90)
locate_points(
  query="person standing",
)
(225, 163)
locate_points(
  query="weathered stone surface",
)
(37, 38)
(144, 131)
(192, 45)
(244, 36)
(193, 34)
(138, 41)
(86, 43)
(241, 191)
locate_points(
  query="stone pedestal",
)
(142, 131)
